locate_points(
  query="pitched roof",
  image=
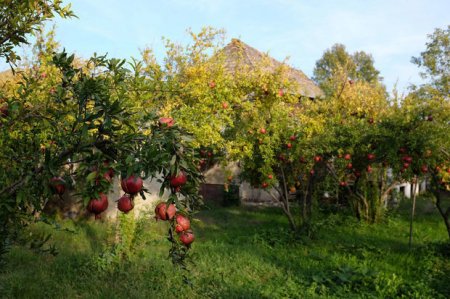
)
(239, 52)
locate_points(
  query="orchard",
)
(96, 133)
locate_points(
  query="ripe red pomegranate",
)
(349, 166)
(369, 168)
(164, 212)
(270, 176)
(312, 172)
(110, 171)
(317, 159)
(58, 185)
(292, 138)
(280, 92)
(289, 145)
(106, 176)
(357, 174)
(262, 131)
(166, 121)
(212, 84)
(132, 184)
(179, 180)
(342, 184)
(98, 205)
(187, 238)
(424, 168)
(405, 165)
(407, 159)
(224, 105)
(370, 157)
(264, 185)
(125, 204)
(182, 223)
(347, 157)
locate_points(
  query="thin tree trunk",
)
(284, 205)
(412, 211)
(446, 214)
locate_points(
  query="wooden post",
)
(414, 185)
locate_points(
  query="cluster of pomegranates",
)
(182, 224)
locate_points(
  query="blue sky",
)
(391, 30)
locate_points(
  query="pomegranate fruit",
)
(187, 238)
(164, 212)
(292, 138)
(407, 159)
(125, 204)
(179, 180)
(424, 168)
(264, 185)
(182, 223)
(166, 121)
(370, 157)
(349, 166)
(317, 159)
(132, 184)
(58, 185)
(262, 131)
(347, 157)
(98, 205)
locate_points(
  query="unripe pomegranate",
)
(164, 212)
(125, 204)
(58, 185)
(132, 184)
(187, 238)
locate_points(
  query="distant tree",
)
(435, 60)
(337, 66)
(18, 18)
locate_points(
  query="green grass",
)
(241, 253)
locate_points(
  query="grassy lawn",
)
(240, 253)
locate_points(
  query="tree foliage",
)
(337, 66)
(19, 18)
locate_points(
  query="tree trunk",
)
(445, 215)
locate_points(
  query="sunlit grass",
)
(240, 253)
